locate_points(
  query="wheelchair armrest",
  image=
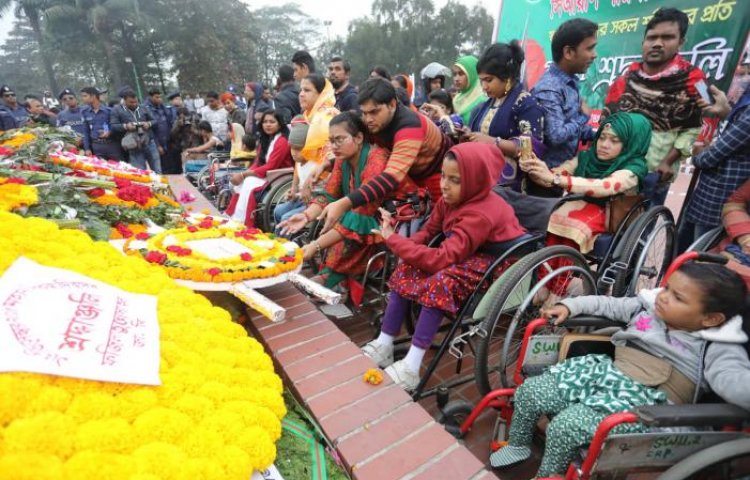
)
(701, 415)
(590, 321)
(436, 240)
(496, 249)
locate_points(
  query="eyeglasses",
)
(8, 95)
(340, 140)
(67, 99)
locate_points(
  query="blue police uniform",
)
(73, 118)
(162, 125)
(95, 122)
(7, 122)
(20, 114)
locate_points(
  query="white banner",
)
(63, 323)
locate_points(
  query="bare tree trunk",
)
(33, 15)
(114, 66)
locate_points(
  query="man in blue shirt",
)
(565, 121)
(155, 105)
(20, 115)
(72, 116)
(97, 136)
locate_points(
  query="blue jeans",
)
(150, 154)
(285, 210)
(654, 190)
(690, 232)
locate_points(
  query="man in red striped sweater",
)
(416, 144)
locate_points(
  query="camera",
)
(139, 126)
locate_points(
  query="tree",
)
(279, 32)
(33, 11)
(20, 60)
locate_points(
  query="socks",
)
(413, 359)
(385, 339)
(509, 455)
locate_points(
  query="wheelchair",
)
(636, 256)
(715, 444)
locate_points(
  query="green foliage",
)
(200, 46)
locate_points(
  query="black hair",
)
(669, 15)
(182, 111)
(154, 91)
(403, 96)
(264, 139)
(286, 73)
(351, 121)
(571, 34)
(302, 57)
(318, 81)
(381, 71)
(724, 291)
(379, 90)
(212, 94)
(347, 65)
(31, 96)
(503, 60)
(248, 140)
(204, 125)
(443, 98)
(402, 80)
(128, 94)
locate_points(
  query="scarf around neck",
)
(471, 96)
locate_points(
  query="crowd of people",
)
(353, 148)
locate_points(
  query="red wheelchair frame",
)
(500, 399)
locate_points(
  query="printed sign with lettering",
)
(715, 39)
(63, 323)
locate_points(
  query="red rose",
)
(206, 224)
(287, 259)
(96, 192)
(19, 181)
(142, 236)
(192, 229)
(246, 256)
(122, 183)
(124, 230)
(213, 271)
(156, 257)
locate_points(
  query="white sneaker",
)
(402, 376)
(381, 354)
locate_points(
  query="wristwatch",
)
(556, 179)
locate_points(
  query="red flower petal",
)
(246, 256)
(142, 236)
(213, 271)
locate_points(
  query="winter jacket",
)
(287, 102)
(726, 368)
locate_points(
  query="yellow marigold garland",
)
(15, 195)
(19, 140)
(215, 416)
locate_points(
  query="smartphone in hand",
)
(703, 92)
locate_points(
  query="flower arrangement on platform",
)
(15, 140)
(263, 256)
(14, 193)
(109, 168)
(215, 416)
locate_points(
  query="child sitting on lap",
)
(441, 278)
(671, 333)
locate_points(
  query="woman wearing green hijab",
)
(614, 164)
(466, 82)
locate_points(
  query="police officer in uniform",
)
(97, 136)
(18, 111)
(72, 115)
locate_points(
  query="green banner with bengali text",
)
(715, 41)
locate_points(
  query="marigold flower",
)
(373, 376)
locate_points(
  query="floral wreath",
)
(267, 255)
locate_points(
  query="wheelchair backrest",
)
(532, 212)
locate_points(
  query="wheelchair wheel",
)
(276, 195)
(453, 415)
(648, 250)
(520, 296)
(222, 199)
(708, 240)
(718, 461)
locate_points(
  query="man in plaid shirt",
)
(724, 166)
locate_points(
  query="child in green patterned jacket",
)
(678, 341)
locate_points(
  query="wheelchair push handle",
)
(693, 256)
(587, 321)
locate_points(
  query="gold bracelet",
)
(317, 246)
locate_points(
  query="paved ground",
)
(361, 331)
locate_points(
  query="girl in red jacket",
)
(273, 153)
(442, 278)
